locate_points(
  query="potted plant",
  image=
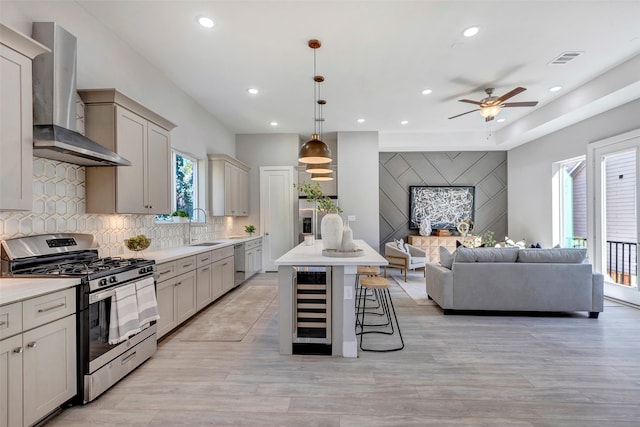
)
(250, 229)
(180, 216)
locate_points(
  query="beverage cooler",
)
(312, 310)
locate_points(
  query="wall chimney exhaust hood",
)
(54, 103)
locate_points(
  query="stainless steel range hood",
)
(54, 103)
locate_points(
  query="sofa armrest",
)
(392, 251)
(415, 251)
(439, 283)
(597, 292)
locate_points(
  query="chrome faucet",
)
(205, 220)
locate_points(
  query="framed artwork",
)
(445, 207)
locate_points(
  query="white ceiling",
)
(377, 56)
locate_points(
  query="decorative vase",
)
(425, 227)
(347, 238)
(331, 231)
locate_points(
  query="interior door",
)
(615, 193)
(276, 213)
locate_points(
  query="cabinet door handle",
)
(178, 284)
(18, 350)
(150, 206)
(53, 307)
(187, 265)
(205, 259)
(165, 272)
(205, 269)
(129, 357)
(2, 323)
(32, 344)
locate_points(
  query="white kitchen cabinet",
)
(253, 257)
(227, 274)
(140, 136)
(204, 289)
(49, 367)
(38, 358)
(228, 186)
(176, 301)
(16, 125)
(11, 381)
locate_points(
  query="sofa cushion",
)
(553, 255)
(446, 258)
(486, 254)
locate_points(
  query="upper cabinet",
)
(229, 186)
(16, 125)
(140, 136)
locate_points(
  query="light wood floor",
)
(457, 370)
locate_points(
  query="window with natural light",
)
(184, 186)
(570, 203)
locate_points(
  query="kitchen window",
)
(185, 188)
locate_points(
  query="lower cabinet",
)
(38, 363)
(176, 301)
(187, 285)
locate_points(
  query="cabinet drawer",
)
(10, 319)
(186, 264)
(222, 253)
(167, 270)
(253, 244)
(203, 259)
(47, 308)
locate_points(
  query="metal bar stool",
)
(380, 286)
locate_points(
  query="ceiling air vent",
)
(565, 57)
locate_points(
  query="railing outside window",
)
(622, 262)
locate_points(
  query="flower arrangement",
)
(137, 243)
(180, 213)
(315, 195)
(249, 229)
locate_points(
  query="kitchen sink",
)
(207, 244)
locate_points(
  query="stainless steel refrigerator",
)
(309, 219)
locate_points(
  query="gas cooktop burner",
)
(83, 268)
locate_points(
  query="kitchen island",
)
(342, 307)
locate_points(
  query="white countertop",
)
(13, 290)
(18, 289)
(170, 254)
(312, 255)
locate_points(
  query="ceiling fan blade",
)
(521, 104)
(470, 101)
(464, 113)
(508, 95)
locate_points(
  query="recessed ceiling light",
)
(470, 32)
(274, 124)
(555, 88)
(360, 120)
(205, 22)
(404, 122)
(426, 91)
(252, 91)
(500, 120)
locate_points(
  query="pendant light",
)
(315, 151)
(322, 176)
(319, 168)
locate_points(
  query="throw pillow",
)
(400, 244)
(458, 244)
(446, 258)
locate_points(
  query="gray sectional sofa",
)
(515, 279)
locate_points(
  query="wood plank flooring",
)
(457, 370)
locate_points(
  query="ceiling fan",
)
(491, 105)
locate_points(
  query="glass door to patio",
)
(616, 187)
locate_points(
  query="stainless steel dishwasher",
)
(238, 263)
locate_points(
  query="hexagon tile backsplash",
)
(59, 206)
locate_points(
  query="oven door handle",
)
(99, 296)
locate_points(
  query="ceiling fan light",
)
(319, 168)
(322, 177)
(490, 111)
(314, 151)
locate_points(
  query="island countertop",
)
(312, 255)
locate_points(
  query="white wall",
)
(529, 173)
(264, 150)
(105, 61)
(358, 188)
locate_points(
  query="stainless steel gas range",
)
(111, 291)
